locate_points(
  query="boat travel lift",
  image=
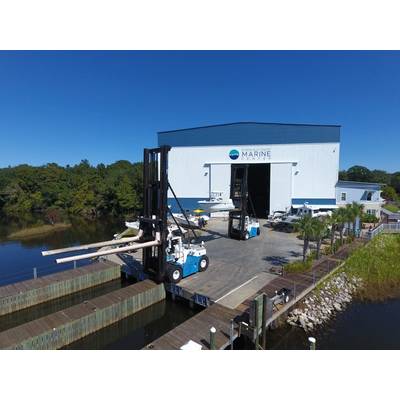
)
(241, 224)
(165, 256)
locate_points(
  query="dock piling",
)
(34, 273)
(213, 331)
(313, 342)
(231, 334)
(264, 322)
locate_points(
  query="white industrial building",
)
(290, 164)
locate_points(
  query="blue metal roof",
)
(245, 133)
(359, 185)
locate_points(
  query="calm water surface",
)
(362, 326)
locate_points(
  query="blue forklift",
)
(175, 257)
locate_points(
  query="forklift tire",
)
(203, 263)
(174, 274)
(258, 231)
(247, 236)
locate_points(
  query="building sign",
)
(250, 154)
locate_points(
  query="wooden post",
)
(313, 342)
(34, 273)
(212, 338)
(231, 334)
(74, 264)
(264, 323)
(256, 323)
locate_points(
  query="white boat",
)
(216, 203)
(195, 221)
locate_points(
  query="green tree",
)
(319, 231)
(305, 227)
(332, 222)
(389, 193)
(395, 181)
(342, 218)
(357, 212)
(359, 173)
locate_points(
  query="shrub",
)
(369, 219)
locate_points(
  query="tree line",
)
(83, 190)
(362, 174)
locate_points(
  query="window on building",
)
(371, 212)
(369, 196)
(343, 196)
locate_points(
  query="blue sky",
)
(105, 106)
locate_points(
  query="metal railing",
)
(383, 228)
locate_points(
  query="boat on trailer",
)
(216, 203)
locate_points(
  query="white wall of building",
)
(281, 186)
(297, 170)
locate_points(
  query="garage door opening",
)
(259, 184)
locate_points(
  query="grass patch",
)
(38, 231)
(378, 265)
(391, 207)
(300, 266)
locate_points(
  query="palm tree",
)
(333, 221)
(341, 216)
(358, 210)
(349, 216)
(319, 229)
(305, 227)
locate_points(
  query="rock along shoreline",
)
(324, 302)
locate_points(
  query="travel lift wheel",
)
(174, 274)
(203, 263)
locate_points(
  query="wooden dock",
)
(20, 295)
(197, 329)
(64, 327)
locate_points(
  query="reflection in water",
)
(18, 258)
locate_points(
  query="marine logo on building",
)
(234, 154)
(256, 154)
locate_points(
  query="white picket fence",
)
(384, 228)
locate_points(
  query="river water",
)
(360, 326)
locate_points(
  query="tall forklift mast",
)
(155, 209)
